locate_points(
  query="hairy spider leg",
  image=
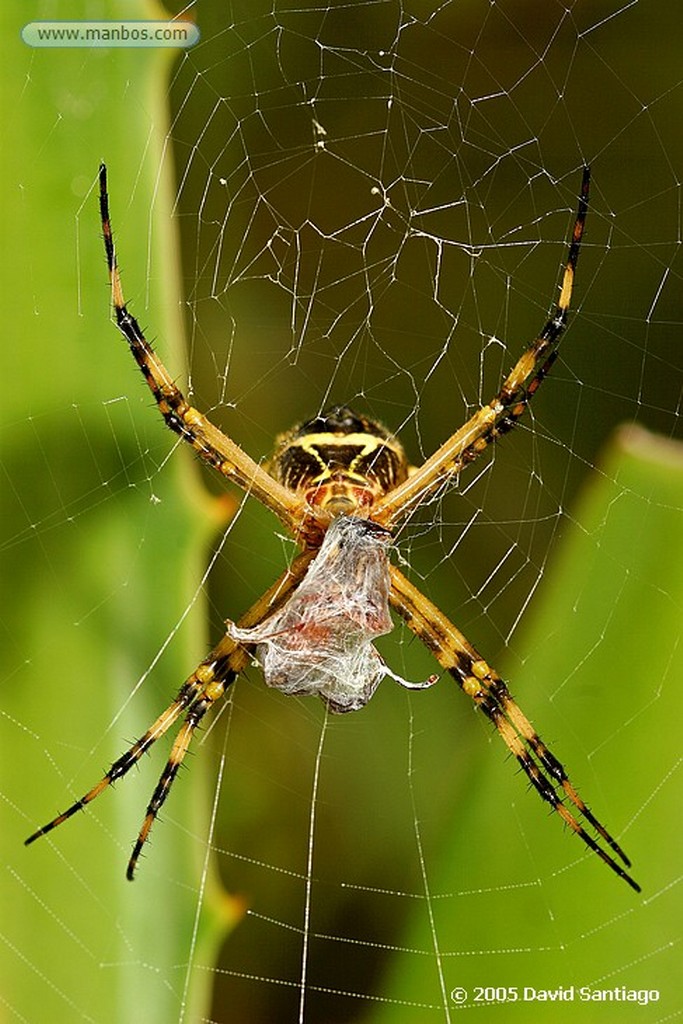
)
(203, 676)
(224, 675)
(210, 443)
(488, 691)
(200, 691)
(504, 411)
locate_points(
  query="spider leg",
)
(503, 412)
(210, 443)
(488, 691)
(226, 662)
(186, 696)
(206, 684)
(178, 751)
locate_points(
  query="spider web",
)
(373, 202)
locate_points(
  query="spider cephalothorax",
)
(339, 461)
(340, 483)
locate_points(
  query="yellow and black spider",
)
(341, 483)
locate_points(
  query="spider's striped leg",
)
(178, 751)
(488, 691)
(186, 696)
(208, 681)
(227, 660)
(502, 699)
(503, 412)
(210, 443)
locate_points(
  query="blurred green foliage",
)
(423, 835)
(85, 606)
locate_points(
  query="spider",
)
(341, 483)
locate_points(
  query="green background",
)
(432, 868)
